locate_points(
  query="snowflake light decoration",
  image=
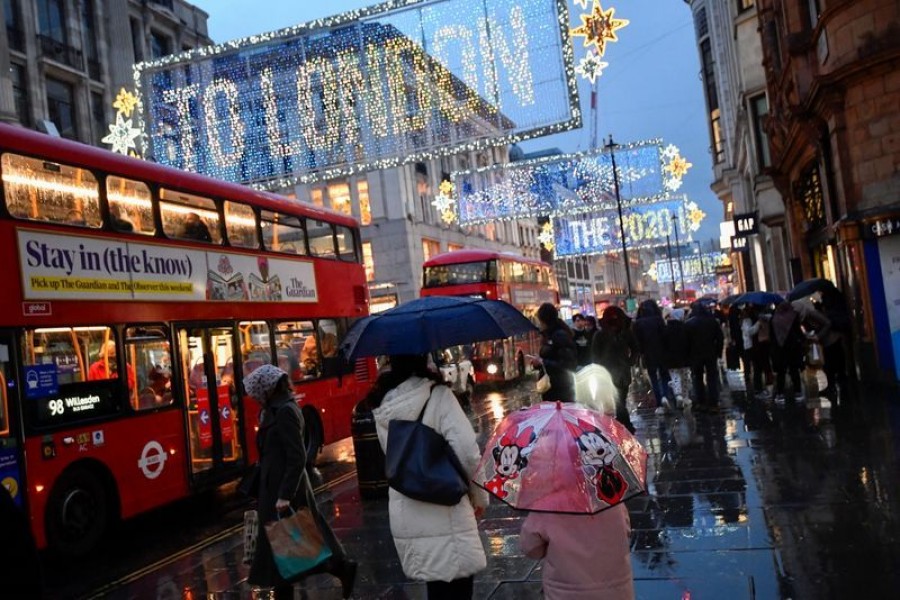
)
(122, 135)
(674, 166)
(591, 67)
(581, 3)
(125, 102)
(694, 214)
(678, 167)
(448, 216)
(599, 26)
(670, 152)
(546, 236)
(444, 202)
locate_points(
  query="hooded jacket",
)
(434, 542)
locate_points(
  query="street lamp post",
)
(671, 267)
(700, 259)
(612, 155)
(678, 252)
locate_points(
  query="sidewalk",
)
(759, 501)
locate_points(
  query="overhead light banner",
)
(646, 226)
(403, 81)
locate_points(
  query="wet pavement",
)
(763, 500)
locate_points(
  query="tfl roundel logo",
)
(153, 459)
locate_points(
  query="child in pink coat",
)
(586, 557)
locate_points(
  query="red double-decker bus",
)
(524, 282)
(136, 299)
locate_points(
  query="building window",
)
(61, 107)
(317, 196)
(759, 109)
(137, 37)
(20, 93)
(712, 100)
(339, 197)
(454, 247)
(365, 208)
(430, 248)
(90, 35)
(745, 5)
(52, 20)
(160, 45)
(812, 198)
(14, 25)
(98, 112)
(368, 261)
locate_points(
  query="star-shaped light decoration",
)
(695, 215)
(546, 237)
(122, 135)
(599, 26)
(448, 216)
(678, 167)
(443, 202)
(125, 102)
(591, 67)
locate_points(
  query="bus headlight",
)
(492, 369)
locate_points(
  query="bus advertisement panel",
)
(138, 299)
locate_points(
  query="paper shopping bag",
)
(297, 543)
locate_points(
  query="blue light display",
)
(646, 226)
(404, 81)
(560, 185)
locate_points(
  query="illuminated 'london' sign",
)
(404, 81)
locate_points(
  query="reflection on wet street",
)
(759, 501)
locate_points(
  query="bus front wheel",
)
(312, 434)
(77, 512)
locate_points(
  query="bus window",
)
(72, 373)
(300, 338)
(321, 238)
(345, 244)
(46, 191)
(130, 206)
(147, 353)
(255, 349)
(189, 217)
(283, 233)
(331, 332)
(240, 223)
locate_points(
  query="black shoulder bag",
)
(420, 463)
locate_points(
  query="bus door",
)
(11, 466)
(213, 409)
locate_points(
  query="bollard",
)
(369, 455)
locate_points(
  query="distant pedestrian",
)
(436, 544)
(678, 359)
(583, 335)
(706, 343)
(650, 334)
(558, 357)
(283, 483)
(787, 349)
(615, 348)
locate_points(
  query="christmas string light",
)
(404, 81)
(123, 135)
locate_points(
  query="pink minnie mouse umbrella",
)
(562, 458)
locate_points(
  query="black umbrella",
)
(810, 287)
(759, 298)
(431, 323)
(729, 300)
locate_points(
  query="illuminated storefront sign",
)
(646, 226)
(73, 267)
(404, 81)
(695, 268)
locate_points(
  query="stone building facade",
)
(62, 62)
(833, 78)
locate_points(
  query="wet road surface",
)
(762, 500)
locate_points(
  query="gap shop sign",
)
(403, 81)
(746, 224)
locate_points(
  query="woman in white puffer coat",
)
(436, 544)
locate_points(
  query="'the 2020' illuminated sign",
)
(403, 81)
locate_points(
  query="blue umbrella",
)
(759, 298)
(432, 323)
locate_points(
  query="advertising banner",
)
(400, 82)
(695, 268)
(889, 252)
(77, 268)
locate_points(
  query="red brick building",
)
(833, 78)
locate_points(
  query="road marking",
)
(218, 537)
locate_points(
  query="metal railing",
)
(60, 52)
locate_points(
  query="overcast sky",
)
(651, 89)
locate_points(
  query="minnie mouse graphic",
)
(509, 459)
(597, 454)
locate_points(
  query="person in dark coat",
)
(650, 332)
(283, 482)
(678, 356)
(20, 565)
(583, 336)
(558, 356)
(615, 348)
(706, 343)
(787, 348)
